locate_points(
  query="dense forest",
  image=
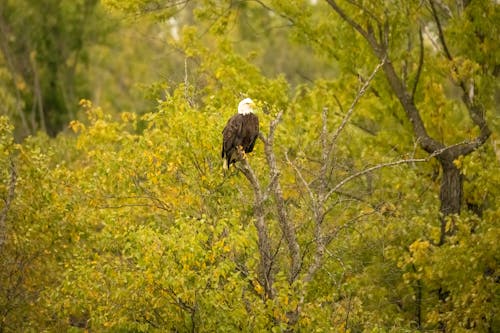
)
(369, 204)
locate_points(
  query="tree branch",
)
(364, 9)
(360, 94)
(303, 181)
(286, 225)
(366, 34)
(476, 110)
(389, 164)
(440, 31)
(324, 148)
(420, 65)
(318, 199)
(264, 242)
(428, 144)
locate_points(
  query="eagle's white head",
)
(246, 106)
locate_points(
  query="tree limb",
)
(285, 223)
(440, 31)
(366, 34)
(476, 110)
(264, 242)
(420, 65)
(389, 164)
(303, 181)
(360, 94)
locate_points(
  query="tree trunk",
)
(450, 195)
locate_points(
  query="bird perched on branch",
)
(240, 133)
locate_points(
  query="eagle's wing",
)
(230, 133)
(254, 128)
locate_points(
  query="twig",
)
(360, 94)
(302, 179)
(385, 165)
(324, 150)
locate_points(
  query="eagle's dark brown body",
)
(241, 130)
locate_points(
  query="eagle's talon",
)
(241, 152)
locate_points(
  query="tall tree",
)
(43, 44)
(429, 48)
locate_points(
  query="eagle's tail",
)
(225, 165)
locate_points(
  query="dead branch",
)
(319, 198)
(324, 150)
(388, 164)
(286, 225)
(360, 94)
(264, 242)
(302, 180)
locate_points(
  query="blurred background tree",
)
(45, 46)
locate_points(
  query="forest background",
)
(370, 203)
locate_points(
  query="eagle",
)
(240, 133)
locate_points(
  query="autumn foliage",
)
(126, 222)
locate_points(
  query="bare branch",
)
(373, 168)
(135, 201)
(269, 187)
(272, 127)
(440, 31)
(338, 103)
(264, 243)
(286, 225)
(389, 164)
(322, 241)
(302, 180)
(348, 115)
(366, 34)
(360, 94)
(276, 12)
(324, 149)
(319, 254)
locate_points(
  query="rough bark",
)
(450, 196)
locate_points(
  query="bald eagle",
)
(240, 133)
